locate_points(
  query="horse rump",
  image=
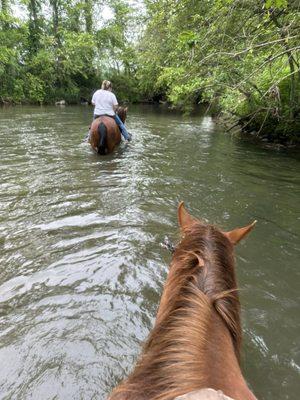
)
(102, 131)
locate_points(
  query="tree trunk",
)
(55, 19)
(284, 35)
(88, 16)
(56, 33)
(4, 10)
(34, 26)
(4, 6)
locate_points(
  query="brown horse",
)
(195, 342)
(105, 133)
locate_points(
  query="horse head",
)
(195, 342)
(122, 113)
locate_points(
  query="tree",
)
(243, 56)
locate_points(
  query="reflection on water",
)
(82, 268)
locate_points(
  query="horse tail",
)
(102, 131)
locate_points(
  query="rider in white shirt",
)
(106, 103)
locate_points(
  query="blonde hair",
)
(106, 85)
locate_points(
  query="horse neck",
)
(172, 360)
(186, 351)
(221, 356)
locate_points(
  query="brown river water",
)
(81, 265)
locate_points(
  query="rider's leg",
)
(124, 132)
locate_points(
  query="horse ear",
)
(239, 233)
(185, 220)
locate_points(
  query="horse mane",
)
(201, 283)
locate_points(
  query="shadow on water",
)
(82, 268)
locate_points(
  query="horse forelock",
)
(201, 282)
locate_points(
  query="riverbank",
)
(269, 135)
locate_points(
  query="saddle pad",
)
(204, 394)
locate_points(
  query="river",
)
(81, 265)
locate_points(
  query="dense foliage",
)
(240, 57)
(58, 49)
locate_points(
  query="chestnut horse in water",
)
(195, 342)
(105, 133)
